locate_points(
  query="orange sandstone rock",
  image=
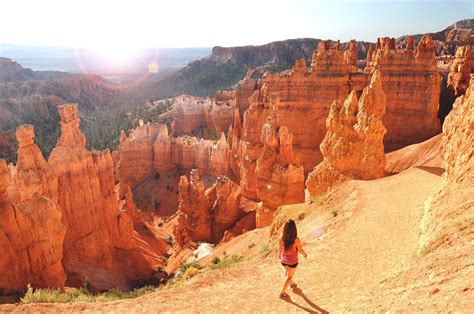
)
(205, 215)
(34, 175)
(98, 244)
(460, 70)
(196, 203)
(411, 84)
(71, 136)
(449, 214)
(280, 178)
(353, 145)
(409, 79)
(31, 241)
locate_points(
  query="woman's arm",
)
(300, 247)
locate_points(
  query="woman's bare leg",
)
(289, 278)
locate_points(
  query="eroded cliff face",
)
(411, 83)
(460, 70)
(409, 75)
(98, 244)
(209, 214)
(457, 80)
(280, 178)
(31, 236)
(353, 145)
(201, 116)
(449, 214)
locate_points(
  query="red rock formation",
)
(34, 175)
(409, 78)
(31, 241)
(200, 116)
(227, 209)
(247, 88)
(136, 156)
(411, 84)
(98, 244)
(264, 216)
(162, 148)
(71, 136)
(304, 101)
(181, 237)
(353, 145)
(280, 178)
(196, 203)
(220, 157)
(460, 70)
(449, 214)
(247, 223)
(205, 215)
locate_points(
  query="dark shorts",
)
(291, 266)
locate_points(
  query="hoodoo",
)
(99, 244)
(353, 145)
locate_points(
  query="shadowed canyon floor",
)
(371, 236)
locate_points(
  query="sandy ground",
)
(373, 237)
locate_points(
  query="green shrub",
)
(191, 272)
(81, 295)
(227, 261)
(185, 266)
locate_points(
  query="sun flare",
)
(115, 53)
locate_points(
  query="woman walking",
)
(290, 245)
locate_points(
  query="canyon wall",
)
(412, 85)
(210, 214)
(353, 145)
(449, 214)
(305, 96)
(199, 116)
(280, 177)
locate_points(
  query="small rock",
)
(433, 291)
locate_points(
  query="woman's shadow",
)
(314, 308)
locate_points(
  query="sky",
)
(131, 24)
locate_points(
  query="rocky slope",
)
(11, 71)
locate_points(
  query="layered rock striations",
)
(353, 145)
(207, 214)
(457, 80)
(34, 175)
(460, 70)
(201, 116)
(31, 239)
(98, 245)
(136, 156)
(449, 214)
(409, 77)
(411, 83)
(280, 178)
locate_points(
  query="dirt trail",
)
(376, 240)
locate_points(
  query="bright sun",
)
(115, 53)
